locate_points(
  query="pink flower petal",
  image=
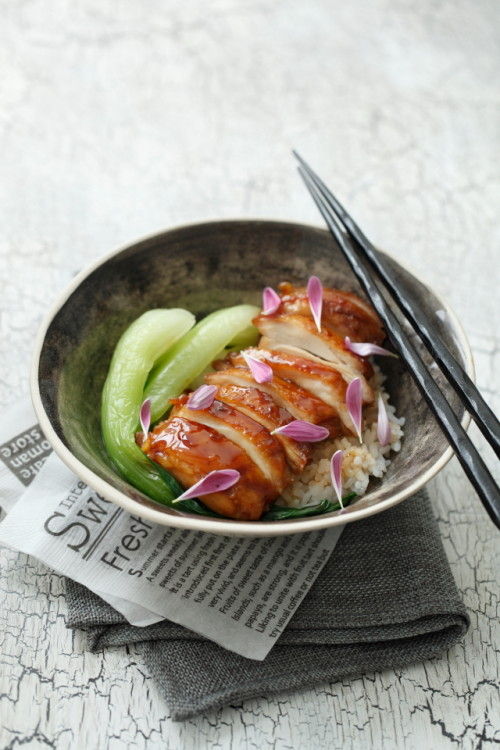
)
(354, 403)
(214, 481)
(202, 398)
(384, 432)
(261, 372)
(270, 301)
(302, 431)
(145, 416)
(315, 297)
(336, 474)
(365, 349)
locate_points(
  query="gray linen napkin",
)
(385, 598)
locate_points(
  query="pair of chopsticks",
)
(370, 268)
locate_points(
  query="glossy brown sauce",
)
(298, 401)
(343, 312)
(190, 450)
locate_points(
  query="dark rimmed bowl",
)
(203, 267)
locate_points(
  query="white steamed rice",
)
(361, 461)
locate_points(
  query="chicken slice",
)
(343, 313)
(366, 389)
(300, 403)
(299, 331)
(262, 408)
(262, 448)
(190, 450)
(321, 380)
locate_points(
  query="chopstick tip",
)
(298, 156)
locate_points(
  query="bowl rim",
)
(229, 527)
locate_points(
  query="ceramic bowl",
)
(203, 267)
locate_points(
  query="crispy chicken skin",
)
(311, 372)
(300, 403)
(343, 312)
(322, 381)
(263, 409)
(262, 447)
(299, 331)
(189, 450)
(286, 349)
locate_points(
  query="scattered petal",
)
(202, 398)
(384, 432)
(270, 301)
(315, 297)
(261, 372)
(336, 474)
(354, 403)
(145, 416)
(366, 349)
(214, 481)
(302, 431)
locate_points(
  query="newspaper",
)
(23, 450)
(238, 592)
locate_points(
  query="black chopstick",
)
(468, 456)
(456, 375)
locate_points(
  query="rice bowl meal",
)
(201, 284)
(253, 414)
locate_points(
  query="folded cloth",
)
(385, 598)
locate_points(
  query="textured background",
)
(118, 119)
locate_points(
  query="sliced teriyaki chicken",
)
(343, 313)
(261, 447)
(263, 409)
(311, 371)
(321, 380)
(300, 403)
(299, 331)
(190, 450)
(366, 389)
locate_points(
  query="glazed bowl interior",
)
(204, 267)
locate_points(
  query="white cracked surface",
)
(121, 119)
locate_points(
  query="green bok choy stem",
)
(194, 352)
(140, 346)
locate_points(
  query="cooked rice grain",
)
(361, 461)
